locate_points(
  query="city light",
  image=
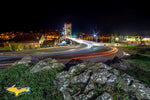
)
(146, 39)
(63, 42)
(130, 39)
(117, 39)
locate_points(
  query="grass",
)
(41, 84)
(134, 49)
(5, 48)
(140, 65)
(140, 68)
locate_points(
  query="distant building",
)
(7, 36)
(42, 39)
(51, 35)
(31, 39)
(67, 29)
(28, 41)
(100, 38)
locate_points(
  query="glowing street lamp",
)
(95, 36)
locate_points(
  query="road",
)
(87, 51)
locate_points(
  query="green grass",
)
(133, 49)
(140, 68)
(41, 84)
(5, 48)
(140, 65)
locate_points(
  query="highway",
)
(87, 51)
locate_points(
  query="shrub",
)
(6, 48)
(30, 47)
(24, 47)
(13, 46)
(19, 46)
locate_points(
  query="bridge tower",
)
(67, 30)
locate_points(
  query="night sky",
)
(108, 15)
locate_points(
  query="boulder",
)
(77, 69)
(114, 60)
(66, 95)
(82, 78)
(116, 72)
(104, 96)
(72, 62)
(89, 87)
(46, 65)
(28, 60)
(99, 82)
(129, 84)
(123, 65)
(85, 96)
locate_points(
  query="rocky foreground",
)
(92, 81)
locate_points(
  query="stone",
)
(77, 69)
(103, 66)
(111, 80)
(118, 63)
(100, 77)
(89, 87)
(124, 84)
(129, 84)
(99, 80)
(90, 94)
(71, 63)
(84, 97)
(115, 60)
(82, 78)
(62, 77)
(105, 96)
(46, 65)
(66, 95)
(116, 72)
(28, 60)
(141, 91)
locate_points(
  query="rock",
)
(100, 77)
(77, 69)
(123, 65)
(111, 80)
(28, 60)
(129, 84)
(118, 63)
(125, 81)
(82, 78)
(84, 97)
(66, 95)
(96, 81)
(115, 60)
(46, 65)
(116, 72)
(141, 91)
(105, 96)
(90, 94)
(103, 66)
(89, 87)
(72, 62)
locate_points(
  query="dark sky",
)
(108, 15)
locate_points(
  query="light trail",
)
(76, 56)
(113, 51)
(91, 44)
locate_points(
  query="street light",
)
(95, 36)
